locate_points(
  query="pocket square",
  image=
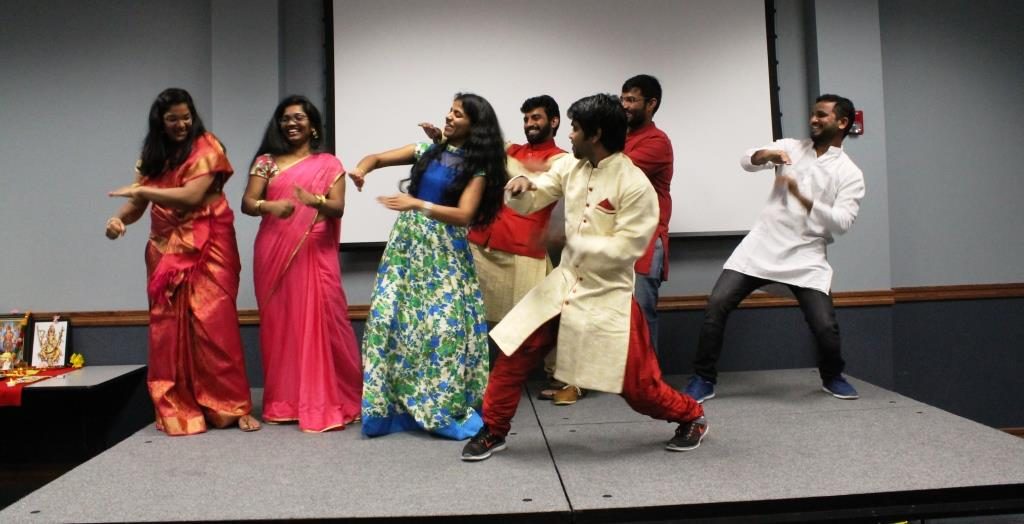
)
(605, 204)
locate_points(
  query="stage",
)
(779, 449)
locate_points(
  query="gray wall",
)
(954, 72)
(75, 92)
(74, 116)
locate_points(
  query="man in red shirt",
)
(511, 253)
(650, 149)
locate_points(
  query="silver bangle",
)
(426, 208)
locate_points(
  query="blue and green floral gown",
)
(425, 353)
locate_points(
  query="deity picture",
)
(50, 344)
(11, 342)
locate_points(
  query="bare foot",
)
(247, 423)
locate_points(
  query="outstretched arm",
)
(533, 193)
(186, 198)
(129, 213)
(396, 157)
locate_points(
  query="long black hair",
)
(484, 151)
(159, 152)
(274, 141)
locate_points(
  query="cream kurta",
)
(611, 212)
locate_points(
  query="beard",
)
(635, 120)
(825, 136)
(540, 136)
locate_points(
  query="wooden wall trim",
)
(964, 292)
(760, 300)
(1017, 432)
(885, 297)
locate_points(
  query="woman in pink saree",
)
(196, 366)
(311, 362)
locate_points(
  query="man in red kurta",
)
(650, 149)
(511, 253)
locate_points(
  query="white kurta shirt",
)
(787, 244)
(611, 212)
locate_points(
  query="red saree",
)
(311, 363)
(196, 365)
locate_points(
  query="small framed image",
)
(51, 344)
(12, 340)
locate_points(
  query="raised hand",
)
(432, 131)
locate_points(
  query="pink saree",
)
(196, 364)
(311, 363)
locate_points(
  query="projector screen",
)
(398, 63)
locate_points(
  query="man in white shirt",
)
(817, 195)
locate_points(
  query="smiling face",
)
(456, 124)
(639, 110)
(537, 126)
(825, 127)
(178, 122)
(295, 126)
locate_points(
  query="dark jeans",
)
(732, 287)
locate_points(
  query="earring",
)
(315, 134)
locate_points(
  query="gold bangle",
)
(259, 204)
(320, 200)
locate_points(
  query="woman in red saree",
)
(311, 362)
(196, 367)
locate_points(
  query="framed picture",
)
(12, 340)
(51, 344)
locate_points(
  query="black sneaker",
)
(482, 445)
(689, 435)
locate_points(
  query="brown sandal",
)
(548, 393)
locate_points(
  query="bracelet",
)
(320, 200)
(426, 208)
(259, 204)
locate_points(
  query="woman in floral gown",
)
(425, 352)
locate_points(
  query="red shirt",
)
(650, 149)
(514, 233)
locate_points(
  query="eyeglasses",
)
(298, 118)
(630, 99)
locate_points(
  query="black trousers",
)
(732, 287)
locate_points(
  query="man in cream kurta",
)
(586, 304)
(816, 196)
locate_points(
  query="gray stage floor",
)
(775, 436)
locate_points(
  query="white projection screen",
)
(399, 62)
